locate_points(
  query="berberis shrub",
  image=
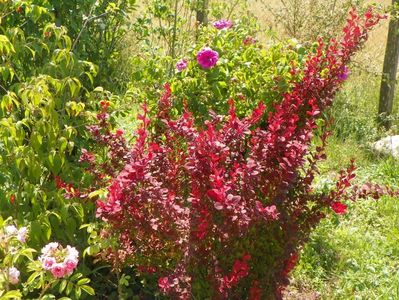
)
(220, 211)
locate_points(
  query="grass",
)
(355, 256)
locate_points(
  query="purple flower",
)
(344, 74)
(207, 58)
(21, 235)
(181, 64)
(221, 24)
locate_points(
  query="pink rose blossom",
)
(72, 252)
(207, 58)
(182, 65)
(50, 247)
(70, 265)
(58, 270)
(58, 260)
(47, 262)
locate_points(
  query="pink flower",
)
(13, 275)
(70, 265)
(72, 252)
(47, 262)
(207, 58)
(58, 270)
(58, 260)
(181, 64)
(71, 261)
(49, 248)
(222, 24)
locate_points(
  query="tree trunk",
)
(388, 82)
(202, 11)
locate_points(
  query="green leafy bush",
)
(245, 71)
(42, 116)
(46, 97)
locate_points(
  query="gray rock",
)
(388, 145)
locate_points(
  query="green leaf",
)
(88, 289)
(69, 288)
(32, 278)
(63, 285)
(97, 193)
(99, 89)
(78, 292)
(76, 276)
(48, 297)
(83, 281)
(36, 140)
(15, 294)
(36, 231)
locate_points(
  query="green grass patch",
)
(355, 256)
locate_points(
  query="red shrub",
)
(220, 212)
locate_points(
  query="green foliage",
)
(97, 29)
(354, 259)
(166, 27)
(45, 105)
(354, 256)
(245, 71)
(248, 73)
(43, 111)
(46, 101)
